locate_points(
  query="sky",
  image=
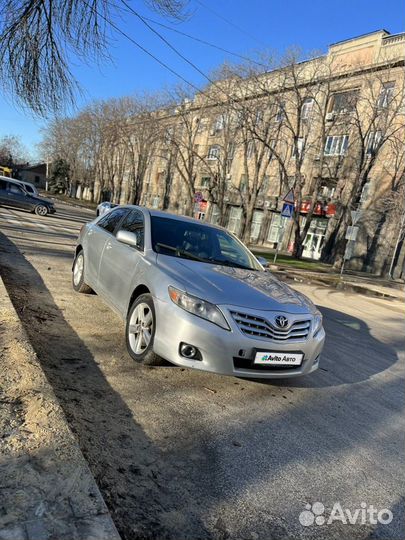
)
(237, 25)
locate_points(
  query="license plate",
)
(278, 358)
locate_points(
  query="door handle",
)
(109, 245)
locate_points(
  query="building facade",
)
(326, 134)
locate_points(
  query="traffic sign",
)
(356, 215)
(198, 196)
(351, 233)
(288, 210)
(289, 198)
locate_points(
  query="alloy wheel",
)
(140, 328)
(78, 269)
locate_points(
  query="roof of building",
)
(382, 30)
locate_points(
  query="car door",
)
(3, 192)
(119, 261)
(17, 197)
(96, 237)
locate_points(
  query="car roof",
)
(15, 180)
(168, 215)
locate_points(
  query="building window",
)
(372, 142)
(231, 150)
(280, 115)
(243, 183)
(256, 224)
(265, 185)
(216, 215)
(37, 179)
(205, 181)
(344, 102)
(214, 152)
(276, 228)
(336, 145)
(250, 149)
(365, 192)
(219, 124)
(298, 148)
(306, 110)
(234, 221)
(386, 95)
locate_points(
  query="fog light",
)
(189, 351)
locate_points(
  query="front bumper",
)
(227, 352)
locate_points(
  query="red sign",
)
(320, 209)
(306, 205)
(203, 206)
(330, 209)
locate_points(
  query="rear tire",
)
(78, 282)
(41, 210)
(140, 331)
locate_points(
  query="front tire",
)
(140, 331)
(41, 210)
(78, 282)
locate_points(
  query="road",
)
(184, 454)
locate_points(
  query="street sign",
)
(356, 215)
(287, 211)
(351, 233)
(198, 196)
(289, 198)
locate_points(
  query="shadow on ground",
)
(285, 442)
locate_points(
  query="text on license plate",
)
(279, 358)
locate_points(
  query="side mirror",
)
(263, 261)
(127, 237)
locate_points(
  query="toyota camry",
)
(193, 294)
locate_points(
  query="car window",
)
(110, 221)
(3, 185)
(191, 240)
(13, 188)
(134, 223)
(28, 188)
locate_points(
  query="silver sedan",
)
(193, 294)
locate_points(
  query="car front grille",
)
(254, 326)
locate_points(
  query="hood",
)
(38, 198)
(235, 286)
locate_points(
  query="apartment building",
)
(330, 131)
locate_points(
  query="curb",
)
(68, 203)
(47, 489)
(341, 285)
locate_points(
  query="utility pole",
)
(400, 233)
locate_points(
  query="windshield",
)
(202, 243)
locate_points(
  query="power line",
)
(132, 40)
(204, 42)
(251, 36)
(172, 47)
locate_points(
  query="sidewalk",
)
(69, 200)
(370, 286)
(47, 489)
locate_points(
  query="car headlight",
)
(317, 324)
(198, 307)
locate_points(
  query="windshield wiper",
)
(230, 263)
(180, 252)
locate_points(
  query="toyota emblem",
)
(281, 321)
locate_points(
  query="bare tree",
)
(373, 123)
(37, 38)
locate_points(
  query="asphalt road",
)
(183, 454)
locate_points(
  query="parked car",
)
(193, 294)
(13, 194)
(105, 207)
(29, 188)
